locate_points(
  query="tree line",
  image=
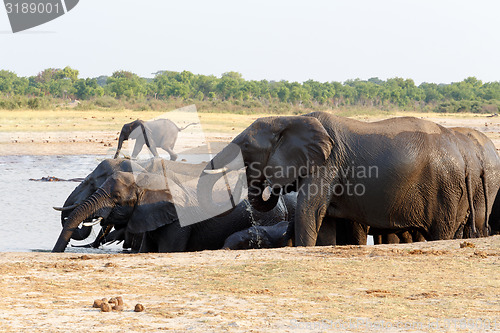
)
(51, 85)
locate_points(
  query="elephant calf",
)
(160, 133)
(259, 237)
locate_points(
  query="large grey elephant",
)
(89, 185)
(143, 204)
(482, 178)
(160, 133)
(98, 176)
(397, 174)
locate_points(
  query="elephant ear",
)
(138, 128)
(303, 144)
(154, 210)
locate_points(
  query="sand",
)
(274, 290)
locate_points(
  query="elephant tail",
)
(183, 128)
(486, 213)
(470, 198)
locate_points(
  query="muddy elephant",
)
(98, 176)
(259, 237)
(143, 204)
(160, 133)
(482, 172)
(116, 234)
(89, 185)
(398, 174)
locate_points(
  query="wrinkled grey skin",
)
(90, 184)
(107, 235)
(160, 133)
(482, 177)
(148, 209)
(100, 174)
(259, 237)
(419, 183)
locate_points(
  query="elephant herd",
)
(314, 179)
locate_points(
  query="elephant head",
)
(120, 200)
(276, 151)
(134, 130)
(88, 186)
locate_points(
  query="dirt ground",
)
(432, 286)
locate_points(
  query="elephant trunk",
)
(257, 195)
(123, 137)
(70, 204)
(227, 160)
(98, 204)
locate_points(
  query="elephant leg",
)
(148, 244)
(139, 143)
(405, 237)
(313, 199)
(132, 241)
(360, 233)
(168, 238)
(327, 234)
(351, 233)
(307, 224)
(417, 236)
(391, 238)
(173, 156)
(152, 147)
(377, 239)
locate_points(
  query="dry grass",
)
(259, 290)
(66, 120)
(95, 120)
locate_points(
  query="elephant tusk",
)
(92, 223)
(62, 209)
(216, 171)
(266, 194)
(235, 164)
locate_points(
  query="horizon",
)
(269, 80)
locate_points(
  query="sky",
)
(438, 41)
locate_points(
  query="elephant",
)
(142, 204)
(99, 175)
(154, 133)
(259, 237)
(116, 234)
(396, 174)
(482, 177)
(89, 185)
(495, 216)
(345, 232)
(391, 237)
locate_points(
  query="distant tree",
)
(125, 84)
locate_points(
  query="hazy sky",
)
(426, 40)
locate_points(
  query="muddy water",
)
(27, 220)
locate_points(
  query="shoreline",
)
(89, 143)
(103, 142)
